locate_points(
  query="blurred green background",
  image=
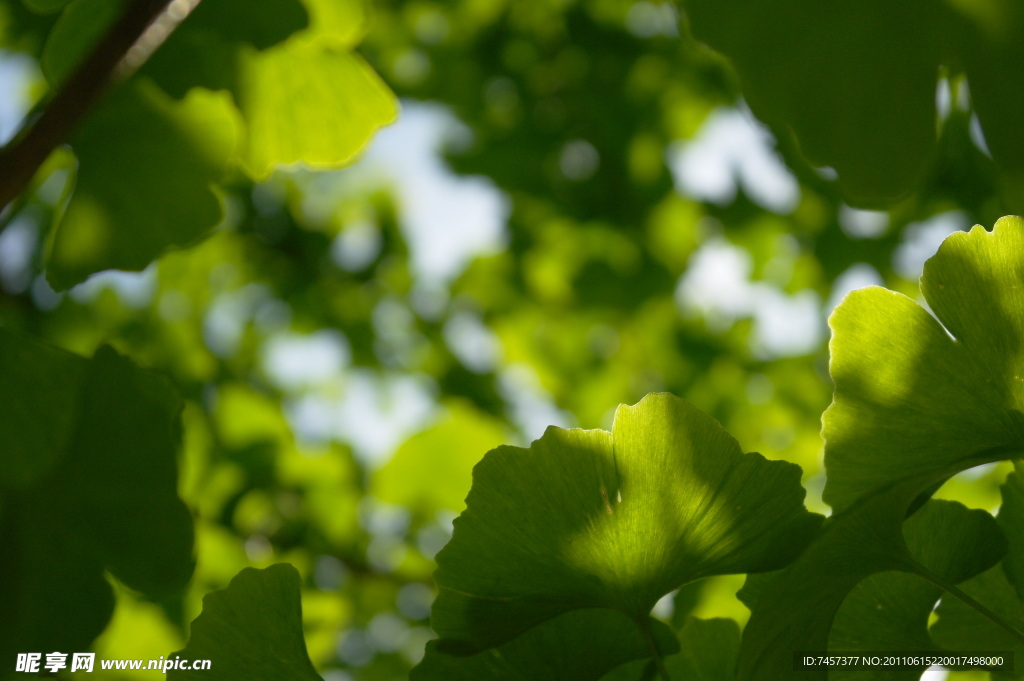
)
(575, 207)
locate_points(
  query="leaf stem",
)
(975, 605)
(659, 662)
(43, 133)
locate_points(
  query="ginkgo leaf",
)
(580, 645)
(916, 393)
(708, 652)
(309, 99)
(46, 380)
(615, 520)
(960, 627)
(432, 470)
(794, 609)
(78, 29)
(204, 50)
(854, 81)
(45, 6)
(102, 496)
(250, 631)
(147, 165)
(1011, 519)
(309, 103)
(890, 610)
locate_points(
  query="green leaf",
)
(854, 81)
(794, 610)
(616, 520)
(992, 38)
(204, 51)
(303, 102)
(45, 6)
(890, 610)
(308, 99)
(340, 23)
(582, 644)
(250, 631)
(146, 171)
(916, 401)
(960, 627)
(432, 470)
(916, 394)
(78, 29)
(237, 22)
(684, 602)
(1011, 519)
(46, 381)
(105, 500)
(708, 652)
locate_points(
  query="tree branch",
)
(23, 156)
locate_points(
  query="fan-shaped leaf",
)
(916, 394)
(146, 169)
(250, 631)
(616, 520)
(580, 645)
(101, 497)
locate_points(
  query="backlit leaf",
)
(147, 165)
(303, 102)
(916, 394)
(616, 520)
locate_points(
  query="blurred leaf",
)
(78, 29)
(238, 21)
(855, 81)
(558, 526)
(310, 104)
(990, 46)
(340, 23)
(432, 470)
(45, 6)
(146, 169)
(582, 644)
(890, 610)
(915, 393)
(204, 51)
(36, 379)
(106, 501)
(251, 630)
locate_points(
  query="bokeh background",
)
(575, 208)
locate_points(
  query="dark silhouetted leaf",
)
(582, 644)
(251, 630)
(103, 499)
(146, 171)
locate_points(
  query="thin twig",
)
(23, 156)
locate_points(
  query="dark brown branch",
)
(23, 156)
